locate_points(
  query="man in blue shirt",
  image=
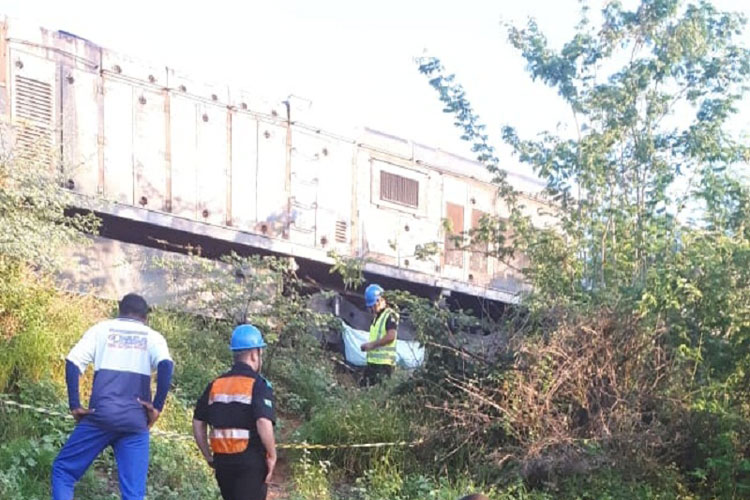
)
(125, 351)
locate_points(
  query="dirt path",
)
(280, 487)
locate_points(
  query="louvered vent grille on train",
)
(398, 189)
(34, 118)
(341, 231)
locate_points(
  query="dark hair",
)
(134, 305)
(475, 496)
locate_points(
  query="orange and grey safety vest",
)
(385, 355)
(231, 405)
(235, 389)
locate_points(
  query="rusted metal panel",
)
(455, 190)
(244, 170)
(167, 150)
(334, 173)
(455, 215)
(423, 231)
(121, 66)
(200, 91)
(212, 144)
(149, 148)
(250, 102)
(410, 231)
(199, 148)
(382, 141)
(478, 251)
(118, 144)
(332, 161)
(80, 129)
(381, 233)
(183, 117)
(272, 198)
(3, 55)
(305, 186)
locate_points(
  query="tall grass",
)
(38, 326)
(360, 416)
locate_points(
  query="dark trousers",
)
(242, 482)
(374, 374)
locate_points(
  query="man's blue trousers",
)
(85, 444)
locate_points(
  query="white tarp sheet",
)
(409, 354)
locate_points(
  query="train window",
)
(398, 189)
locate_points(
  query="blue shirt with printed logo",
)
(124, 352)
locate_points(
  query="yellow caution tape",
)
(180, 436)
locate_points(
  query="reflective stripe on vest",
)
(232, 390)
(229, 441)
(385, 355)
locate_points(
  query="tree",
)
(656, 121)
(652, 229)
(651, 142)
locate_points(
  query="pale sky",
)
(353, 59)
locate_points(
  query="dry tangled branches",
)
(588, 393)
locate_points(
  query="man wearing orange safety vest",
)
(381, 348)
(239, 408)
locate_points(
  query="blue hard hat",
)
(246, 337)
(372, 294)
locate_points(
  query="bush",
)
(39, 326)
(177, 471)
(311, 478)
(302, 381)
(199, 347)
(367, 416)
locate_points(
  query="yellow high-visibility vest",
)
(385, 355)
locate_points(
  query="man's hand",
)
(271, 464)
(265, 432)
(210, 461)
(79, 413)
(367, 346)
(151, 412)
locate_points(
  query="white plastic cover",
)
(409, 354)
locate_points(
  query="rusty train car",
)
(151, 146)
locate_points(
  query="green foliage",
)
(611, 485)
(651, 231)
(199, 346)
(349, 268)
(622, 184)
(38, 325)
(302, 383)
(32, 207)
(371, 417)
(24, 467)
(176, 471)
(235, 288)
(311, 478)
(387, 481)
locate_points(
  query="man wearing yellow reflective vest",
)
(239, 407)
(381, 348)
